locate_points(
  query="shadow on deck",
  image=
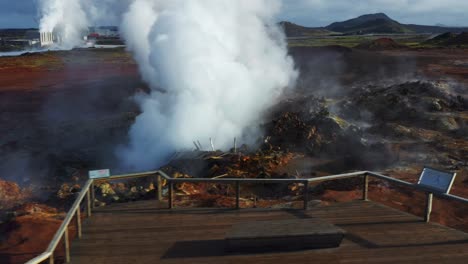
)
(140, 232)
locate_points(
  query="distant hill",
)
(15, 32)
(366, 24)
(294, 30)
(449, 39)
(378, 23)
(435, 29)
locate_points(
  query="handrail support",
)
(171, 195)
(306, 194)
(237, 194)
(159, 187)
(88, 204)
(93, 195)
(66, 243)
(365, 188)
(429, 198)
(78, 222)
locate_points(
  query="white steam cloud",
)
(214, 67)
(65, 18)
(69, 20)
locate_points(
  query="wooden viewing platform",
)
(145, 232)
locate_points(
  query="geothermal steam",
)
(70, 19)
(214, 67)
(65, 18)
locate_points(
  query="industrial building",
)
(46, 38)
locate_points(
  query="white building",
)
(47, 39)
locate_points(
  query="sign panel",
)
(98, 174)
(438, 180)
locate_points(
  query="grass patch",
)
(410, 40)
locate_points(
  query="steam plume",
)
(214, 67)
(70, 19)
(65, 18)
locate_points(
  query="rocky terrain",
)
(390, 110)
(380, 44)
(450, 39)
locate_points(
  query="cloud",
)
(308, 12)
(17, 13)
(25, 13)
(18, 7)
(323, 12)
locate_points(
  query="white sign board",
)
(97, 174)
(438, 180)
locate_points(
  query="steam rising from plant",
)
(69, 20)
(65, 18)
(214, 67)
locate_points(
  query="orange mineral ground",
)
(62, 113)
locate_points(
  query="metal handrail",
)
(62, 232)
(88, 191)
(419, 187)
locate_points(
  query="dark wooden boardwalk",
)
(140, 233)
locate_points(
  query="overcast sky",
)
(23, 13)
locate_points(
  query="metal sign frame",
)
(438, 180)
(99, 174)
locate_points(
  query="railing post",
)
(365, 188)
(159, 190)
(306, 194)
(88, 203)
(237, 194)
(78, 222)
(93, 195)
(51, 258)
(66, 243)
(170, 193)
(427, 216)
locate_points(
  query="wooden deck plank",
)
(141, 232)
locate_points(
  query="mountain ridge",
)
(368, 24)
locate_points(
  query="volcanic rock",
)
(66, 191)
(380, 44)
(409, 103)
(35, 209)
(307, 126)
(449, 39)
(447, 123)
(10, 194)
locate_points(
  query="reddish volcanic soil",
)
(62, 113)
(40, 71)
(28, 236)
(35, 88)
(438, 63)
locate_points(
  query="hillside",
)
(449, 39)
(9, 33)
(366, 24)
(435, 29)
(294, 30)
(371, 23)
